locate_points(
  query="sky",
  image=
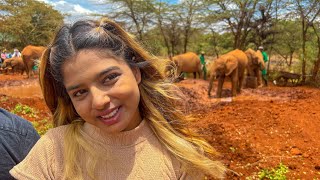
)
(78, 9)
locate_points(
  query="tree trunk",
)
(291, 57)
(316, 64)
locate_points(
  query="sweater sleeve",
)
(39, 163)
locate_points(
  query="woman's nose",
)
(100, 98)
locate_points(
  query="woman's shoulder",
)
(57, 133)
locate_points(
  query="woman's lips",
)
(112, 117)
(111, 114)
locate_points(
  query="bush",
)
(278, 173)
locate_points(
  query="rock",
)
(295, 151)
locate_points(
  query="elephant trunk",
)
(212, 78)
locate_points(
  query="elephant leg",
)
(234, 82)
(200, 74)
(26, 62)
(220, 85)
(210, 85)
(240, 82)
(194, 75)
(250, 71)
(258, 75)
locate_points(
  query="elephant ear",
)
(231, 65)
(252, 56)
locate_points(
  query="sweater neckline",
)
(125, 138)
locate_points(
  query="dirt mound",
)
(260, 128)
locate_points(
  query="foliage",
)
(42, 126)
(24, 109)
(278, 173)
(4, 99)
(25, 22)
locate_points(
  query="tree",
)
(168, 25)
(308, 11)
(189, 12)
(27, 22)
(288, 40)
(238, 15)
(316, 67)
(136, 12)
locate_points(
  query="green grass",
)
(42, 126)
(24, 109)
(277, 173)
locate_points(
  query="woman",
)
(114, 115)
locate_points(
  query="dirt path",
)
(258, 129)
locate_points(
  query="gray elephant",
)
(255, 64)
(232, 64)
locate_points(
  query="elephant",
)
(188, 62)
(255, 64)
(232, 64)
(29, 54)
(16, 64)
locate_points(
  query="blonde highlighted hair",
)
(158, 103)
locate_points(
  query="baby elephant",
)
(15, 63)
(232, 64)
(188, 62)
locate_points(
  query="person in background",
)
(3, 55)
(203, 62)
(265, 59)
(114, 112)
(16, 53)
(8, 55)
(17, 137)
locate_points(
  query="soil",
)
(258, 129)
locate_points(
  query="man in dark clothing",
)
(17, 137)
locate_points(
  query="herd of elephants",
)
(233, 64)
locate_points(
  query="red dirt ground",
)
(258, 129)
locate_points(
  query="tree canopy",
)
(25, 22)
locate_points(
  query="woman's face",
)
(104, 91)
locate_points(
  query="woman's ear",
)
(137, 74)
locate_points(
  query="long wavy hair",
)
(159, 103)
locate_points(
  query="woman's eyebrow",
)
(73, 87)
(107, 70)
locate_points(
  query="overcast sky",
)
(80, 8)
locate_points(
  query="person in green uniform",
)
(203, 62)
(265, 59)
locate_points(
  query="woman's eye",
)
(111, 77)
(79, 93)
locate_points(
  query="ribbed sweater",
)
(134, 154)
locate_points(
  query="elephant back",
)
(187, 62)
(33, 52)
(16, 61)
(240, 56)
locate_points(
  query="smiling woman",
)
(114, 113)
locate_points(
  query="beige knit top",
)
(134, 154)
